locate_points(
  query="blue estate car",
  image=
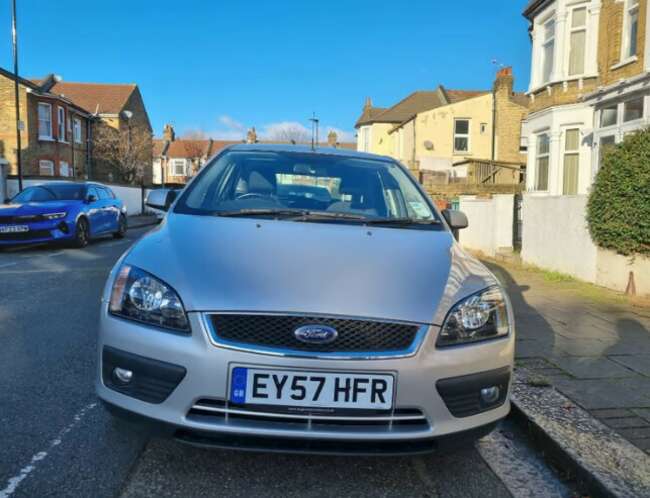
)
(62, 212)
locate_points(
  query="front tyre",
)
(121, 228)
(82, 233)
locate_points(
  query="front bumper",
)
(205, 374)
(40, 232)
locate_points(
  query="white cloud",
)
(229, 129)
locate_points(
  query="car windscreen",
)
(45, 193)
(258, 181)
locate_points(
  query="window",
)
(178, 167)
(541, 170)
(64, 169)
(76, 130)
(365, 135)
(609, 116)
(44, 121)
(61, 124)
(605, 144)
(571, 161)
(45, 168)
(633, 109)
(548, 48)
(461, 135)
(630, 29)
(103, 194)
(577, 41)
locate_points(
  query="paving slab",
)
(638, 363)
(592, 368)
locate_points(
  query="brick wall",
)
(569, 92)
(508, 120)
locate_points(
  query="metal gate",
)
(517, 223)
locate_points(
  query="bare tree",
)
(123, 152)
(195, 135)
(289, 133)
(195, 151)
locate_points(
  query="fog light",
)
(63, 227)
(490, 395)
(123, 375)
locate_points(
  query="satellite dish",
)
(428, 144)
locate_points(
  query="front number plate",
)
(311, 389)
(14, 229)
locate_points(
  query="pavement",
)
(591, 344)
(58, 441)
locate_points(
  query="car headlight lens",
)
(479, 317)
(54, 216)
(138, 295)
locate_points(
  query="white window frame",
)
(571, 152)
(45, 164)
(61, 164)
(76, 130)
(538, 156)
(544, 42)
(175, 163)
(463, 135)
(568, 41)
(631, 8)
(60, 124)
(42, 105)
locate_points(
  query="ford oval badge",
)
(316, 334)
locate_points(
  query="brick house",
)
(588, 87)
(54, 135)
(176, 160)
(61, 121)
(449, 131)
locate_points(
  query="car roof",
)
(84, 184)
(306, 149)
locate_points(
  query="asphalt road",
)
(56, 440)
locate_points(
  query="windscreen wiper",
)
(283, 213)
(401, 221)
(330, 215)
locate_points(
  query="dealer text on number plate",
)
(311, 389)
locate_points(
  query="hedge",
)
(618, 212)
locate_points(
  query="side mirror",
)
(91, 198)
(456, 220)
(161, 199)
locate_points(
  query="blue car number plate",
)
(14, 229)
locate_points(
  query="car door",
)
(112, 210)
(94, 211)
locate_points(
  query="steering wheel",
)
(251, 195)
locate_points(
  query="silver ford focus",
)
(310, 301)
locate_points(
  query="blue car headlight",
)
(138, 295)
(479, 317)
(55, 216)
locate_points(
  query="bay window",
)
(633, 109)
(44, 121)
(571, 161)
(542, 161)
(61, 124)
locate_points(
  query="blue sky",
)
(222, 66)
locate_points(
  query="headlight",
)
(479, 317)
(54, 216)
(138, 295)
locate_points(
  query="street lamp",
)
(14, 37)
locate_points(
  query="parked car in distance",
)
(265, 314)
(161, 193)
(66, 212)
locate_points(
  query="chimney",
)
(368, 104)
(168, 133)
(504, 81)
(332, 139)
(251, 136)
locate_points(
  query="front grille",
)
(277, 331)
(21, 219)
(31, 235)
(215, 411)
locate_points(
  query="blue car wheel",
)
(82, 233)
